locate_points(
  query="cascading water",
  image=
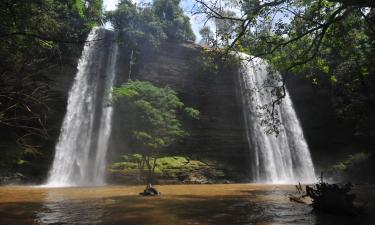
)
(80, 154)
(284, 158)
(106, 119)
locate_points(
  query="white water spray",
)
(80, 154)
(275, 159)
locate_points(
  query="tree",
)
(155, 124)
(225, 29)
(319, 39)
(36, 37)
(146, 27)
(176, 24)
(150, 24)
(138, 27)
(207, 36)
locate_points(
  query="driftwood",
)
(299, 196)
(297, 199)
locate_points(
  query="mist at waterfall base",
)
(80, 153)
(284, 158)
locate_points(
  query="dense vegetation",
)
(332, 43)
(36, 37)
(42, 39)
(147, 26)
(174, 169)
(152, 120)
(329, 42)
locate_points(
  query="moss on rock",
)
(169, 169)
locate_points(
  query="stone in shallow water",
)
(150, 191)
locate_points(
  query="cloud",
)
(109, 5)
(197, 21)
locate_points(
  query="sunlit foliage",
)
(147, 26)
(155, 121)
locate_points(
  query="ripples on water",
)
(70, 213)
(179, 204)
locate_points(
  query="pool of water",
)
(224, 204)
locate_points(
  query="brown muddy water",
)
(224, 204)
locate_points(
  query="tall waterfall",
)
(80, 153)
(284, 158)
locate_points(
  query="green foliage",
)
(207, 36)
(350, 162)
(79, 7)
(213, 60)
(357, 167)
(156, 110)
(138, 27)
(225, 29)
(193, 113)
(329, 42)
(155, 122)
(146, 27)
(36, 37)
(167, 167)
(210, 61)
(176, 25)
(131, 162)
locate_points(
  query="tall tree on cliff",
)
(176, 24)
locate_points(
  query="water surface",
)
(225, 204)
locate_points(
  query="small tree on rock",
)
(156, 124)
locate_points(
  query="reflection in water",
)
(57, 209)
(233, 204)
(70, 212)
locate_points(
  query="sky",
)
(187, 5)
(109, 4)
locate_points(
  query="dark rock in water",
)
(150, 191)
(332, 198)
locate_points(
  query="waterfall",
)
(80, 153)
(106, 119)
(284, 158)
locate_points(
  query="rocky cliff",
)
(218, 138)
(330, 139)
(219, 135)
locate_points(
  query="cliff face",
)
(329, 138)
(218, 136)
(32, 166)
